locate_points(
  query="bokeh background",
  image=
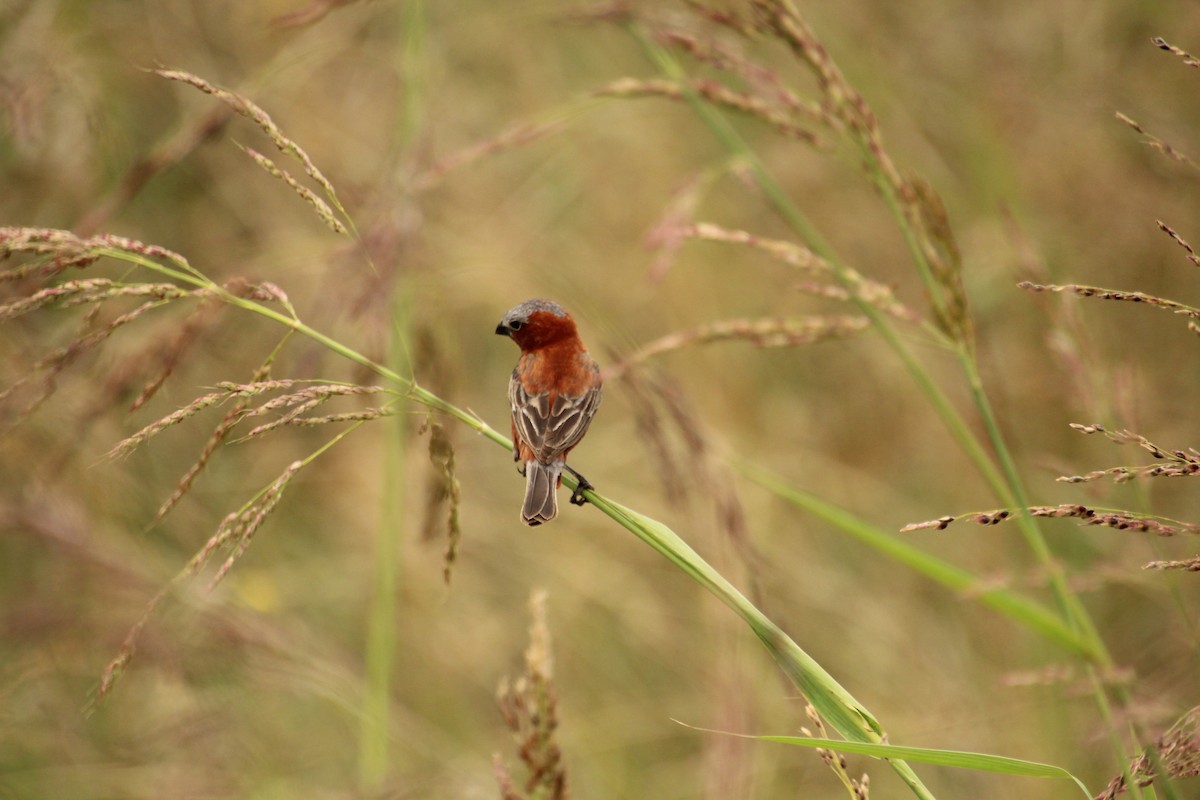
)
(257, 689)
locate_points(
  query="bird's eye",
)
(516, 325)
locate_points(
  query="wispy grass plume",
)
(215, 439)
(807, 262)
(308, 195)
(1088, 515)
(307, 396)
(757, 332)
(234, 533)
(741, 102)
(250, 110)
(1188, 58)
(1176, 753)
(444, 493)
(1179, 240)
(1155, 142)
(1182, 309)
(529, 707)
(1176, 463)
(857, 788)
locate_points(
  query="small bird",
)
(554, 393)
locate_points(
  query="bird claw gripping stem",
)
(577, 498)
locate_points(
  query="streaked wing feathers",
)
(548, 431)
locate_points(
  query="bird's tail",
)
(541, 496)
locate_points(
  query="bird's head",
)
(536, 323)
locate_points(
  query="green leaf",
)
(831, 700)
(1012, 605)
(960, 759)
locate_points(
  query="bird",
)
(554, 392)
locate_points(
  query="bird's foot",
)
(584, 485)
(577, 497)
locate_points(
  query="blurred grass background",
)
(256, 689)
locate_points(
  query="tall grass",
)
(273, 358)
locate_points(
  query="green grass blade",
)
(1012, 605)
(834, 703)
(960, 759)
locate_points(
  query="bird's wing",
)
(551, 430)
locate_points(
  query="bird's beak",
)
(501, 330)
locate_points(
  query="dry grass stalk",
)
(227, 391)
(268, 291)
(1187, 564)
(926, 213)
(243, 525)
(299, 407)
(248, 109)
(91, 290)
(114, 669)
(804, 260)
(1179, 240)
(1091, 579)
(688, 466)
(517, 135)
(237, 529)
(715, 93)
(1121, 520)
(654, 433)
(312, 13)
(1178, 463)
(789, 253)
(529, 707)
(169, 356)
(66, 248)
(1091, 380)
(667, 237)
(443, 490)
(50, 252)
(1177, 752)
(1157, 143)
(305, 400)
(54, 251)
(764, 80)
(859, 788)
(126, 446)
(300, 401)
(833, 291)
(308, 195)
(48, 367)
(767, 99)
(1187, 57)
(723, 17)
(1113, 294)
(240, 527)
(366, 415)
(770, 332)
(504, 781)
(924, 216)
(1077, 680)
(713, 480)
(842, 110)
(215, 439)
(1051, 675)
(106, 241)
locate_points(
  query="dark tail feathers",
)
(541, 495)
